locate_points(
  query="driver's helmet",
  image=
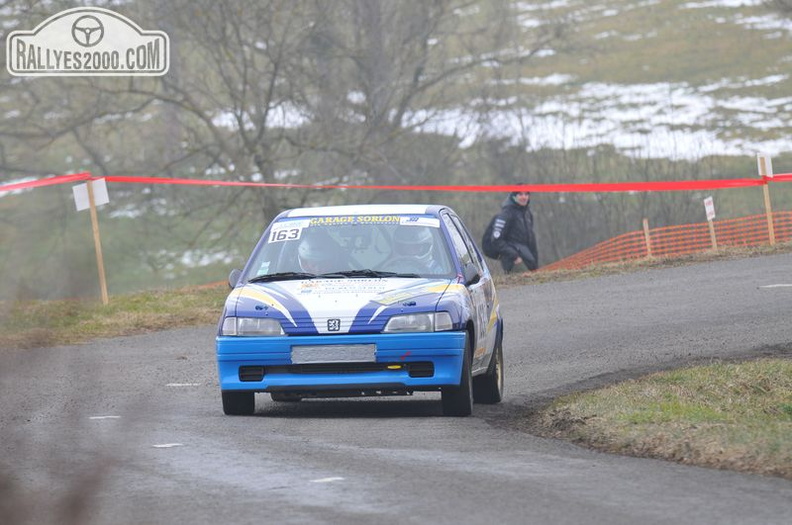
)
(316, 253)
(414, 242)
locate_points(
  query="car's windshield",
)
(353, 246)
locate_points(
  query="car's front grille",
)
(327, 368)
(414, 369)
(257, 373)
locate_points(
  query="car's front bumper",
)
(402, 362)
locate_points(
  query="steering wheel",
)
(405, 265)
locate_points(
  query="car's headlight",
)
(251, 326)
(424, 322)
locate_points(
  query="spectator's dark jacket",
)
(513, 235)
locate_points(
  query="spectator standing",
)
(513, 235)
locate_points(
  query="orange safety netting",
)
(671, 241)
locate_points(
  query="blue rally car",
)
(365, 300)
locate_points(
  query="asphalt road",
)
(131, 431)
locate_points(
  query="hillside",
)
(671, 78)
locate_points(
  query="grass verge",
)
(35, 324)
(735, 416)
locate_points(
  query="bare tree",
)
(782, 6)
(350, 91)
(341, 92)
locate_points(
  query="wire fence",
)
(673, 241)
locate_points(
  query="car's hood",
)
(336, 306)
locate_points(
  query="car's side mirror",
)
(233, 277)
(471, 274)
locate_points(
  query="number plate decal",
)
(333, 354)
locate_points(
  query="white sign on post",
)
(81, 199)
(765, 163)
(766, 172)
(709, 205)
(88, 198)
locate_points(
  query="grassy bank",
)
(34, 324)
(735, 416)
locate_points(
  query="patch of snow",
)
(721, 3)
(645, 120)
(193, 258)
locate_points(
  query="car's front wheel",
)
(458, 400)
(238, 403)
(488, 388)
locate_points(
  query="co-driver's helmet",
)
(316, 253)
(414, 242)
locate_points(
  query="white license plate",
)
(333, 354)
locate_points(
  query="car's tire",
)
(238, 403)
(283, 397)
(488, 388)
(458, 400)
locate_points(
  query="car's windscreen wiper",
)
(282, 276)
(366, 273)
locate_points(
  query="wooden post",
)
(769, 211)
(97, 243)
(709, 207)
(647, 238)
(766, 172)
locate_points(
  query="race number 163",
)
(286, 234)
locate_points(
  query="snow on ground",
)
(665, 120)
